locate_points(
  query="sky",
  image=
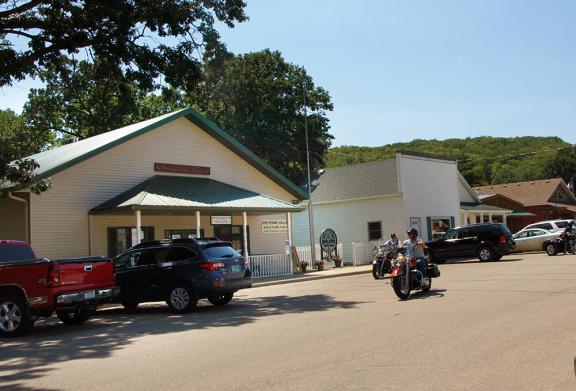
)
(402, 70)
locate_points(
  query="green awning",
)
(521, 214)
(174, 193)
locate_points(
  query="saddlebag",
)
(433, 270)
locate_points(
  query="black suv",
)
(180, 272)
(487, 241)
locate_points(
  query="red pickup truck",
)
(31, 288)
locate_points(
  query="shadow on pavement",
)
(431, 294)
(475, 260)
(113, 329)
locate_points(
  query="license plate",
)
(89, 295)
(236, 269)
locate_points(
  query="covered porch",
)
(481, 213)
(172, 207)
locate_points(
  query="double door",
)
(233, 234)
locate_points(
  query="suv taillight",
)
(213, 265)
(502, 239)
(54, 275)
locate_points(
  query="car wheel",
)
(130, 305)
(485, 254)
(551, 249)
(182, 299)
(76, 317)
(221, 299)
(14, 319)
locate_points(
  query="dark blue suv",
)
(180, 272)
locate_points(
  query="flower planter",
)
(337, 262)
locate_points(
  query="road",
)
(507, 325)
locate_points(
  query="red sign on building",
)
(181, 169)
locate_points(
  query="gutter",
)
(18, 199)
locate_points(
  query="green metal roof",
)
(61, 158)
(162, 192)
(517, 213)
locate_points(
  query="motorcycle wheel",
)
(400, 288)
(551, 249)
(377, 271)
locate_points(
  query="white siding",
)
(430, 189)
(464, 194)
(60, 216)
(12, 223)
(350, 221)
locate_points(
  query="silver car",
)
(532, 239)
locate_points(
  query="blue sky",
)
(400, 70)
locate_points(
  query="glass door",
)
(233, 234)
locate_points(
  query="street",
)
(506, 325)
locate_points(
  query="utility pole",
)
(310, 209)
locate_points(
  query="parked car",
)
(533, 239)
(549, 225)
(31, 287)
(180, 272)
(487, 241)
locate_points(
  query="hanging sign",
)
(221, 220)
(274, 226)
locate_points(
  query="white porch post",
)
(490, 217)
(504, 219)
(465, 217)
(289, 221)
(197, 223)
(245, 234)
(481, 217)
(138, 226)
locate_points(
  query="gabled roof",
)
(169, 193)
(468, 189)
(529, 193)
(356, 181)
(58, 159)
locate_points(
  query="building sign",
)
(181, 169)
(328, 243)
(274, 226)
(221, 220)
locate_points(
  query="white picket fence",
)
(271, 265)
(362, 253)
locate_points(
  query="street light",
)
(310, 209)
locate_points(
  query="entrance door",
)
(233, 234)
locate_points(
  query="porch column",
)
(481, 217)
(465, 217)
(289, 221)
(245, 234)
(490, 217)
(197, 223)
(138, 226)
(504, 219)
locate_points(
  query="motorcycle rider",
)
(415, 248)
(392, 243)
(567, 235)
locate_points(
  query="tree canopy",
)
(481, 160)
(136, 40)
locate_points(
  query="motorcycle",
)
(382, 263)
(406, 277)
(566, 243)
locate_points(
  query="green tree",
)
(18, 140)
(563, 165)
(138, 40)
(258, 98)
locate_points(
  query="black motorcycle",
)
(566, 243)
(382, 263)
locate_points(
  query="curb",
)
(311, 278)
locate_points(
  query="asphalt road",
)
(508, 325)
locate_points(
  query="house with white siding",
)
(367, 202)
(174, 176)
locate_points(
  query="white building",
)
(174, 176)
(367, 202)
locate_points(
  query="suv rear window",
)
(222, 251)
(15, 252)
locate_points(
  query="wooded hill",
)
(482, 160)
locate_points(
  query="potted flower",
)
(303, 266)
(320, 265)
(337, 261)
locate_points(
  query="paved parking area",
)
(505, 325)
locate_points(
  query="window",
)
(546, 226)
(15, 252)
(561, 224)
(374, 230)
(220, 252)
(439, 226)
(521, 235)
(537, 232)
(122, 238)
(182, 233)
(128, 260)
(452, 234)
(180, 254)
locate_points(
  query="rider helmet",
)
(412, 231)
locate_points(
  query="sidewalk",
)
(312, 275)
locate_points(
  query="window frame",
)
(379, 222)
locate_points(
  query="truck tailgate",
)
(86, 273)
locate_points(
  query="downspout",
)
(13, 197)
